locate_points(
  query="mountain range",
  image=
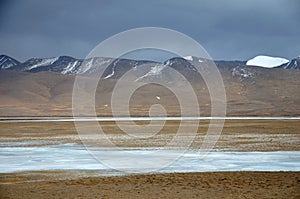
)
(43, 86)
(72, 66)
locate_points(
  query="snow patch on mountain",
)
(266, 61)
(155, 71)
(70, 67)
(86, 65)
(113, 70)
(43, 62)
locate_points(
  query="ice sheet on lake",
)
(75, 157)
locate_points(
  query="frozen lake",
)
(75, 157)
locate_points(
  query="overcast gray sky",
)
(227, 29)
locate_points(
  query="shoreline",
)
(140, 118)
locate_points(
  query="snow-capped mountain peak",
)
(293, 64)
(7, 62)
(192, 58)
(189, 58)
(266, 61)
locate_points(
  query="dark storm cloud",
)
(232, 29)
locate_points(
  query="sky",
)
(227, 29)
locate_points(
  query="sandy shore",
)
(179, 185)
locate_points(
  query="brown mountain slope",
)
(250, 91)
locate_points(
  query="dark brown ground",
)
(179, 185)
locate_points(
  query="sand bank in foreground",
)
(67, 184)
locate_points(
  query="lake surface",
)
(68, 156)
